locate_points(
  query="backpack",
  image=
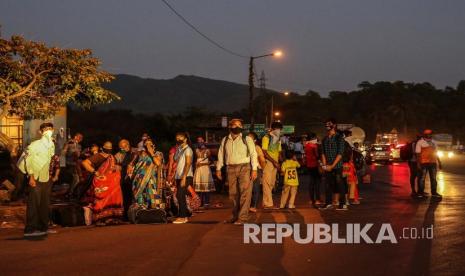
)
(67, 214)
(347, 153)
(359, 160)
(406, 152)
(138, 214)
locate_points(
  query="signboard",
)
(224, 121)
(260, 129)
(288, 129)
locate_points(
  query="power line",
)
(200, 33)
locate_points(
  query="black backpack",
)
(67, 214)
(138, 214)
(406, 152)
(347, 153)
(359, 160)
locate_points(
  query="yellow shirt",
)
(273, 149)
(289, 167)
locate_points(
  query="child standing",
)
(291, 180)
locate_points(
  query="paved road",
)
(206, 246)
(455, 165)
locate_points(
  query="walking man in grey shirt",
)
(238, 154)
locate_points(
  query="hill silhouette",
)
(171, 96)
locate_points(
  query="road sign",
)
(260, 129)
(288, 129)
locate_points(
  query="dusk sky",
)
(328, 45)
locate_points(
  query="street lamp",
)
(251, 83)
(285, 93)
(277, 113)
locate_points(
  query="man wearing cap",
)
(238, 153)
(428, 163)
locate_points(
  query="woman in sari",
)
(104, 195)
(147, 175)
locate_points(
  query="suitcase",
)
(138, 214)
(67, 214)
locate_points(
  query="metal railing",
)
(14, 132)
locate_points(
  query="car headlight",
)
(450, 154)
(440, 153)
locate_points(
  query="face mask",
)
(48, 134)
(179, 142)
(236, 130)
(122, 151)
(277, 132)
(107, 151)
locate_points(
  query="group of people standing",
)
(252, 163)
(109, 184)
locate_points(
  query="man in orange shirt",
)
(428, 163)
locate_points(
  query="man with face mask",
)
(35, 165)
(271, 145)
(123, 158)
(184, 174)
(238, 153)
(332, 152)
(428, 163)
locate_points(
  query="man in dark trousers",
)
(124, 158)
(333, 149)
(35, 165)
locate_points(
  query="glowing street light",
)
(276, 54)
(277, 113)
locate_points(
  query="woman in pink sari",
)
(104, 195)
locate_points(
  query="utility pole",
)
(262, 83)
(251, 93)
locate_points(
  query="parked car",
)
(380, 153)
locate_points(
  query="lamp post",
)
(272, 113)
(251, 84)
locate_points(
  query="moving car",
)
(445, 152)
(380, 153)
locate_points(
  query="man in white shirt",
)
(238, 153)
(35, 163)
